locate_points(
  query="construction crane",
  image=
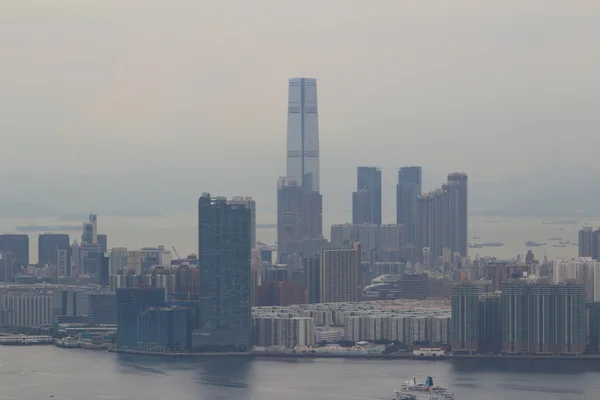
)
(176, 253)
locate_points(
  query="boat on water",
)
(493, 244)
(531, 243)
(475, 245)
(413, 390)
(68, 343)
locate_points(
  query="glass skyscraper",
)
(366, 201)
(224, 236)
(407, 192)
(303, 133)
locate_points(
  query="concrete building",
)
(465, 317)
(583, 270)
(277, 330)
(299, 219)
(48, 244)
(340, 273)
(131, 303)
(443, 218)
(408, 189)
(17, 245)
(26, 309)
(303, 133)
(366, 201)
(224, 255)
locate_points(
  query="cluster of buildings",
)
(423, 323)
(204, 302)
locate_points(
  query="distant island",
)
(14, 209)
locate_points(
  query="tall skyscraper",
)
(589, 242)
(442, 218)
(224, 279)
(48, 243)
(366, 201)
(408, 190)
(303, 133)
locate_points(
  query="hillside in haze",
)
(550, 193)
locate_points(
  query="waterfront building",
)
(543, 318)
(277, 330)
(366, 201)
(490, 323)
(17, 245)
(164, 329)
(131, 303)
(48, 244)
(26, 308)
(408, 189)
(303, 133)
(465, 317)
(224, 275)
(340, 273)
(6, 267)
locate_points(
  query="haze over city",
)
(172, 100)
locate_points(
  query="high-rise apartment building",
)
(442, 218)
(48, 243)
(17, 245)
(299, 218)
(408, 190)
(251, 204)
(340, 273)
(465, 317)
(589, 242)
(224, 275)
(539, 317)
(366, 201)
(303, 133)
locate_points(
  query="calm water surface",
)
(40, 372)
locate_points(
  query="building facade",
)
(48, 243)
(303, 133)
(340, 273)
(408, 189)
(224, 279)
(366, 201)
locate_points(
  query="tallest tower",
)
(303, 133)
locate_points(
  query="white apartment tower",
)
(303, 133)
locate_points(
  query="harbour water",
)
(181, 231)
(34, 373)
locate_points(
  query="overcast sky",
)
(195, 92)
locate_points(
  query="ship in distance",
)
(531, 243)
(413, 390)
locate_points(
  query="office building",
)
(17, 245)
(299, 219)
(224, 275)
(443, 219)
(465, 317)
(340, 273)
(251, 204)
(90, 230)
(102, 242)
(408, 190)
(63, 260)
(131, 303)
(303, 133)
(366, 201)
(48, 244)
(164, 329)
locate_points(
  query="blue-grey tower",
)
(303, 133)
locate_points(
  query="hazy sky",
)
(195, 92)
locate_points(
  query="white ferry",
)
(413, 390)
(68, 343)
